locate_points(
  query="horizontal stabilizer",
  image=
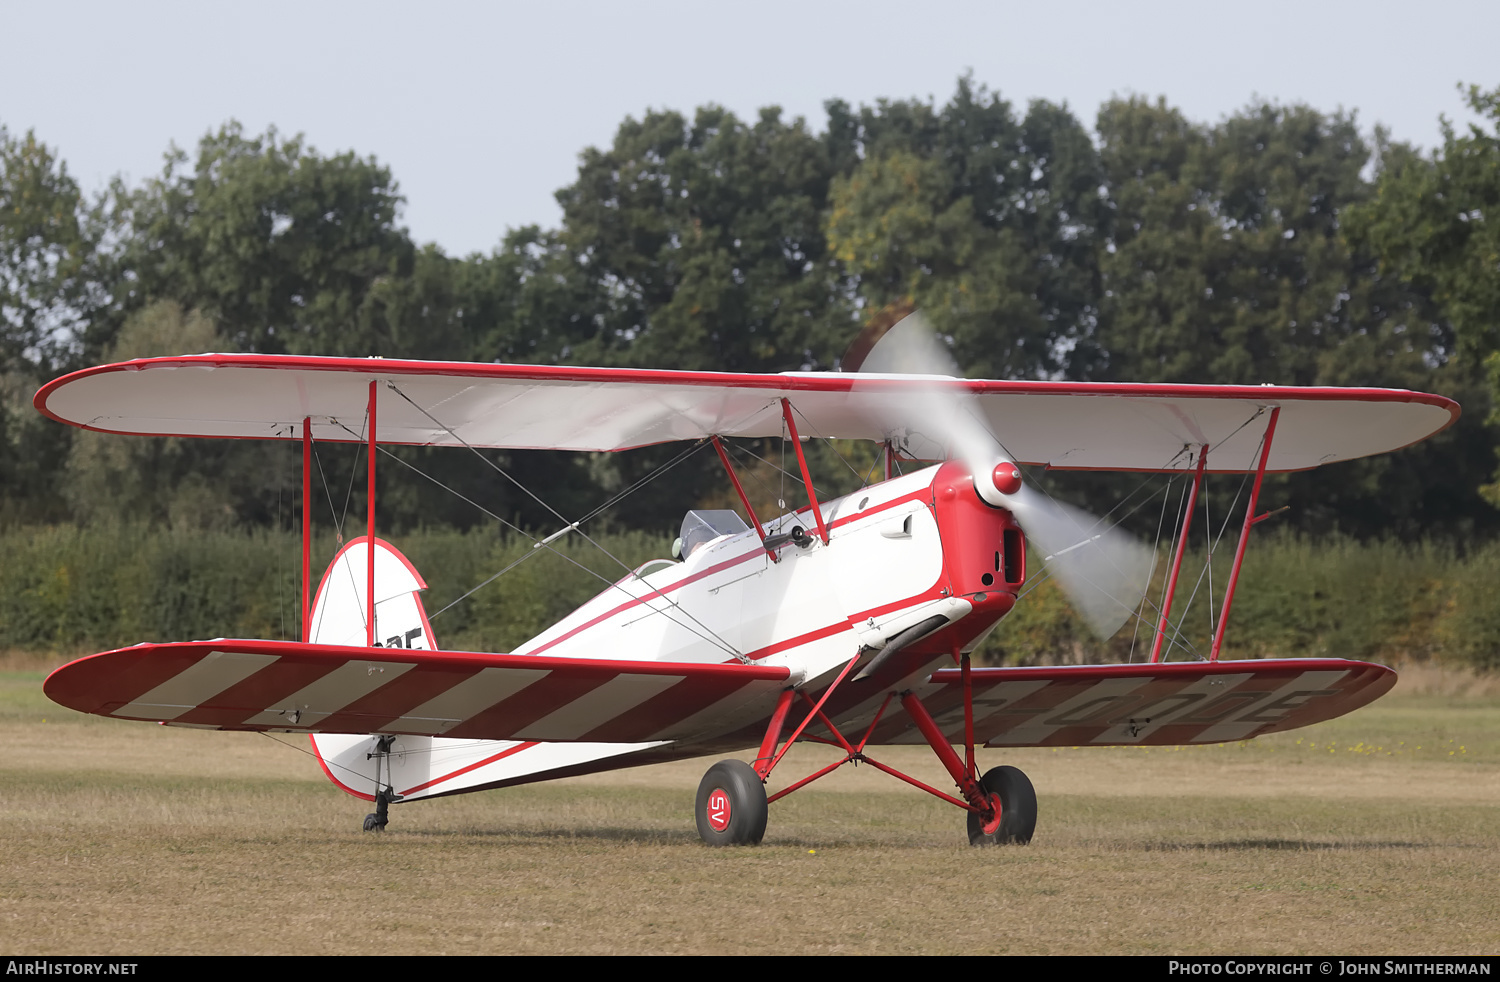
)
(314, 688)
(1166, 704)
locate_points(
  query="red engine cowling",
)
(984, 551)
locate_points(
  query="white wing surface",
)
(1070, 425)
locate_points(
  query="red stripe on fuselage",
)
(507, 752)
(757, 552)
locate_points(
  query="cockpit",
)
(700, 527)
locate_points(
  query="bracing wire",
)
(718, 641)
(1155, 552)
(612, 501)
(711, 637)
(1212, 542)
(865, 481)
(784, 473)
(1099, 523)
(1040, 575)
(784, 512)
(815, 432)
(353, 472)
(1182, 501)
(280, 566)
(467, 745)
(328, 493)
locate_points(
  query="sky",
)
(481, 109)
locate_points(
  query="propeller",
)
(1103, 571)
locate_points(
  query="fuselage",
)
(919, 560)
(899, 554)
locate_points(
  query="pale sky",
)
(481, 109)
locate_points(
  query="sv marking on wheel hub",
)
(718, 810)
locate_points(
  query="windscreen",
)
(699, 527)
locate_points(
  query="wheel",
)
(373, 823)
(1011, 789)
(731, 805)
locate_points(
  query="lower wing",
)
(1143, 705)
(315, 688)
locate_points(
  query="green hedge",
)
(67, 589)
(1381, 601)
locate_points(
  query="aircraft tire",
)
(1017, 809)
(731, 807)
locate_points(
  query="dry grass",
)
(1374, 833)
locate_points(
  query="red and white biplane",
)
(848, 621)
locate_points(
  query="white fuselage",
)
(812, 610)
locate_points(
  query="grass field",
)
(1376, 833)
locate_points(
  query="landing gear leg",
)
(1002, 804)
(378, 819)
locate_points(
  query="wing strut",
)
(306, 529)
(749, 510)
(812, 493)
(1250, 519)
(370, 528)
(1187, 526)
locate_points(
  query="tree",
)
(1227, 261)
(167, 481)
(286, 250)
(49, 273)
(988, 222)
(51, 288)
(701, 246)
(1435, 224)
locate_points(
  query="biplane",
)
(848, 621)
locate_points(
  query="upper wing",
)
(1165, 704)
(279, 685)
(1116, 426)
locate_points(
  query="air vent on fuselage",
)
(1015, 556)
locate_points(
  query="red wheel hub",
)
(718, 810)
(993, 825)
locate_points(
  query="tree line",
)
(1280, 244)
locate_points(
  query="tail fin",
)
(338, 615)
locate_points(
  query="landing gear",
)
(731, 808)
(378, 819)
(1015, 809)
